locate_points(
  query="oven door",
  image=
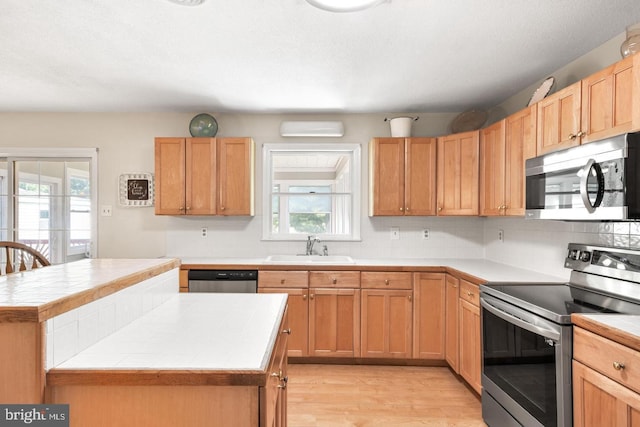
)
(526, 367)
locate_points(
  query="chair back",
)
(16, 256)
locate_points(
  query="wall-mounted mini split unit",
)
(312, 128)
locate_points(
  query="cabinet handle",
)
(581, 134)
(407, 209)
(188, 208)
(401, 209)
(469, 293)
(304, 296)
(222, 208)
(618, 366)
(455, 286)
(282, 281)
(287, 331)
(334, 280)
(284, 380)
(439, 208)
(410, 298)
(311, 296)
(386, 282)
(572, 136)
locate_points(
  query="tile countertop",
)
(194, 332)
(621, 328)
(486, 271)
(37, 295)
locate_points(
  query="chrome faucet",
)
(311, 240)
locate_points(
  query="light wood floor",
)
(340, 396)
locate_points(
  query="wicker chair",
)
(19, 257)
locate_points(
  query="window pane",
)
(4, 201)
(309, 223)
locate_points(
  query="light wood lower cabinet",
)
(296, 285)
(451, 323)
(429, 291)
(469, 334)
(334, 313)
(606, 382)
(386, 321)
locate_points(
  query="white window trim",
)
(356, 177)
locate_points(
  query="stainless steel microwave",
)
(597, 181)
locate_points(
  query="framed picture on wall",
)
(136, 189)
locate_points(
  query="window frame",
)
(13, 154)
(355, 172)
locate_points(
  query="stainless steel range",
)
(527, 334)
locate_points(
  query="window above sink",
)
(311, 189)
(309, 259)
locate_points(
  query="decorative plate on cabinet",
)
(468, 121)
(203, 125)
(543, 90)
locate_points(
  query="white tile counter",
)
(194, 332)
(487, 271)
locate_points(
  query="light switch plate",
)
(395, 233)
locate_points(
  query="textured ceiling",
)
(286, 56)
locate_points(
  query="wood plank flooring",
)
(367, 396)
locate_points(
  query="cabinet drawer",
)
(470, 292)
(385, 280)
(334, 279)
(283, 279)
(616, 361)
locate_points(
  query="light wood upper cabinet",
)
(402, 176)
(458, 174)
(429, 315)
(504, 148)
(236, 176)
(492, 169)
(204, 176)
(559, 120)
(608, 99)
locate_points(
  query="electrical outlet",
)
(395, 233)
(501, 235)
(105, 210)
(204, 231)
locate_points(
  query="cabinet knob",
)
(287, 331)
(410, 298)
(304, 296)
(401, 209)
(469, 293)
(407, 209)
(311, 296)
(386, 282)
(439, 208)
(222, 208)
(581, 134)
(188, 208)
(334, 280)
(282, 281)
(572, 136)
(618, 366)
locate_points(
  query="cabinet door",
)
(200, 176)
(236, 176)
(607, 100)
(492, 169)
(334, 322)
(429, 316)
(170, 176)
(520, 145)
(451, 322)
(298, 314)
(469, 334)
(458, 174)
(420, 176)
(601, 402)
(386, 323)
(559, 120)
(386, 176)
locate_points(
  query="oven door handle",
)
(518, 321)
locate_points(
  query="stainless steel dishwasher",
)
(223, 281)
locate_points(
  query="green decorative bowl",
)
(203, 125)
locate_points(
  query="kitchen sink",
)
(309, 259)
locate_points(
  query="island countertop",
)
(38, 295)
(191, 339)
